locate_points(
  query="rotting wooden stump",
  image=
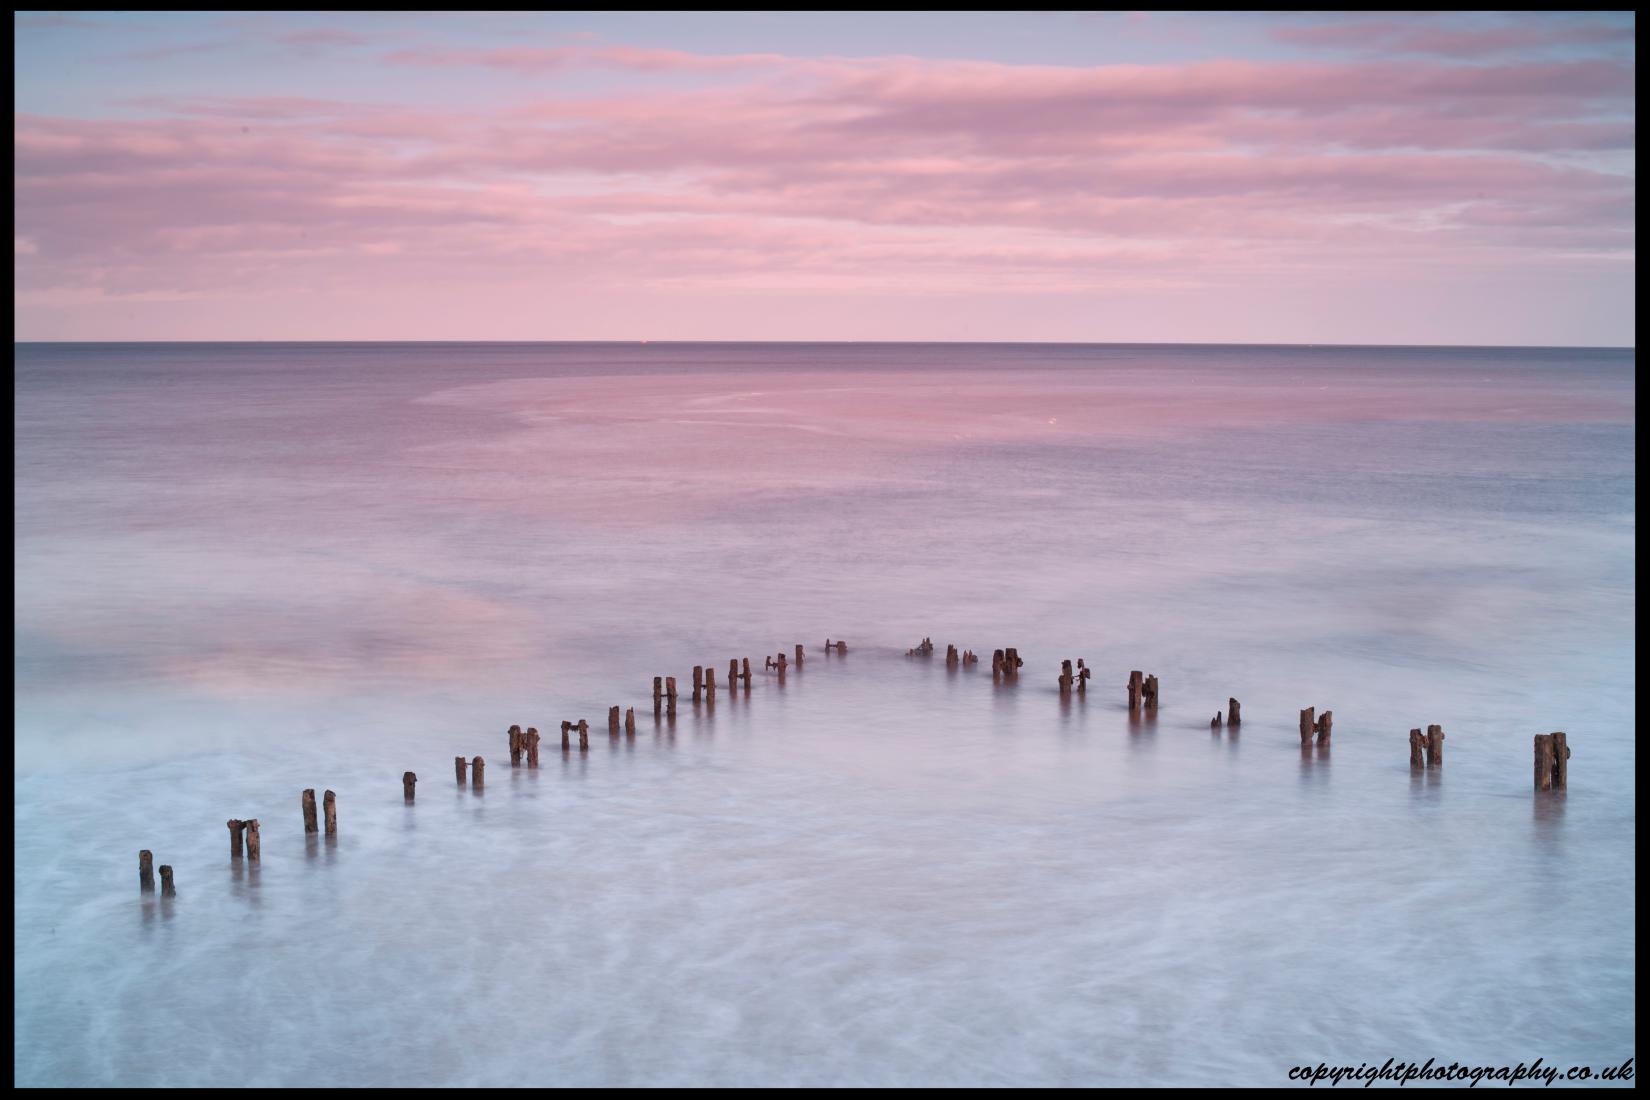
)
(629, 722)
(1435, 746)
(1006, 663)
(459, 765)
(798, 659)
(409, 782)
(710, 685)
(584, 735)
(921, 649)
(532, 736)
(1074, 679)
(476, 778)
(969, 657)
(515, 746)
(745, 665)
(1137, 688)
(1233, 713)
(670, 696)
(1417, 749)
(1214, 723)
(1322, 726)
(146, 871)
(613, 723)
(733, 674)
(1150, 693)
(698, 682)
(567, 737)
(310, 825)
(658, 695)
(329, 810)
(237, 833)
(253, 846)
(1308, 725)
(1552, 762)
(167, 890)
(839, 647)
(951, 657)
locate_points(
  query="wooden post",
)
(670, 696)
(1011, 662)
(1214, 723)
(1552, 762)
(532, 746)
(799, 654)
(459, 764)
(476, 778)
(408, 782)
(1325, 721)
(515, 746)
(1417, 749)
(781, 665)
(329, 809)
(613, 723)
(710, 685)
(630, 721)
(996, 663)
(309, 811)
(1435, 746)
(167, 890)
(252, 845)
(733, 674)
(1083, 674)
(746, 665)
(698, 681)
(1151, 693)
(1137, 685)
(566, 737)
(1065, 676)
(1307, 723)
(1561, 761)
(237, 829)
(584, 735)
(1233, 717)
(146, 871)
(658, 695)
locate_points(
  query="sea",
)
(247, 570)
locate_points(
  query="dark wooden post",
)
(252, 844)
(1561, 761)
(1011, 662)
(733, 674)
(1307, 722)
(1552, 762)
(1435, 746)
(670, 696)
(613, 723)
(476, 778)
(1323, 725)
(146, 871)
(1233, 717)
(1151, 693)
(167, 890)
(658, 695)
(1137, 685)
(710, 685)
(1417, 749)
(237, 829)
(459, 764)
(584, 735)
(309, 811)
(566, 736)
(408, 782)
(799, 655)
(515, 746)
(1065, 676)
(698, 681)
(1083, 674)
(532, 746)
(1214, 723)
(329, 809)
(780, 662)
(745, 664)
(630, 721)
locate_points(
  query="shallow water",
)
(243, 570)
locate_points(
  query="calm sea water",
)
(244, 570)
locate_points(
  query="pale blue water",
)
(243, 570)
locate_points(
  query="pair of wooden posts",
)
(664, 696)
(922, 649)
(1142, 691)
(953, 658)
(329, 806)
(524, 743)
(1426, 750)
(704, 684)
(146, 875)
(1079, 678)
(776, 664)
(567, 729)
(1320, 726)
(734, 675)
(476, 771)
(1552, 762)
(1233, 717)
(840, 647)
(613, 722)
(249, 830)
(1006, 663)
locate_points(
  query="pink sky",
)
(1355, 180)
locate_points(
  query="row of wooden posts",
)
(1426, 750)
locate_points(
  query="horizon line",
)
(952, 343)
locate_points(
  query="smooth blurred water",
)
(243, 570)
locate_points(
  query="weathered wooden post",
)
(1552, 762)
(329, 810)
(798, 655)
(146, 871)
(996, 663)
(477, 780)
(710, 685)
(1083, 674)
(733, 674)
(1214, 723)
(670, 696)
(1322, 726)
(515, 746)
(746, 674)
(1417, 749)
(584, 735)
(566, 736)
(780, 664)
(309, 811)
(1137, 687)
(237, 829)
(459, 764)
(658, 695)
(950, 656)
(1307, 723)
(166, 888)
(1150, 693)
(613, 723)
(630, 721)
(969, 657)
(698, 681)
(1065, 677)
(532, 746)
(1011, 662)
(252, 845)
(1435, 746)
(1233, 715)
(408, 782)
